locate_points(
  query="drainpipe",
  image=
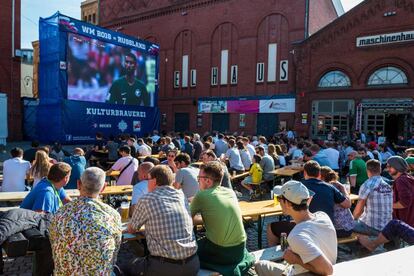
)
(307, 19)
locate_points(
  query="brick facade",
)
(201, 30)
(334, 48)
(10, 67)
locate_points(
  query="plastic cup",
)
(124, 211)
(276, 201)
(348, 188)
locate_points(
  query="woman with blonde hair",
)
(41, 166)
(281, 155)
(271, 150)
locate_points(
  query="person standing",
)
(85, 234)
(15, 171)
(78, 163)
(357, 171)
(168, 229)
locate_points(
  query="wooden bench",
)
(352, 238)
(273, 253)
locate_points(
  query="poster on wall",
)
(242, 120)
(277, 106)
(212, 106)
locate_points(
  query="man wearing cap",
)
(403, 190)
(324, 199)
(410, 162)
(312, 242)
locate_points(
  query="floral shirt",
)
(85, 236)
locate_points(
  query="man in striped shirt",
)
(168, 229)
(374, 208)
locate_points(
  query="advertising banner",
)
(107, 119)
(277, 106)
(268, 105)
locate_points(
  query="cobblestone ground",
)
(22, 266)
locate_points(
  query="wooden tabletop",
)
(267, 207)
(196, 164)
(239, 176)
(152, 155)
(109, 190)
(287, 171)
(114, 173)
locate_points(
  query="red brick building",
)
(358, 72)
(223, 50)
(10, 65)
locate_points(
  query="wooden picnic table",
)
(287, 171)
(239, 176)
(114, 173)
(396, 262)
(258, 209)
(196, 164)
(109, 190)
(152, 155)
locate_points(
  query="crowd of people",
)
(170, 196)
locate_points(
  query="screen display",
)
(107, 73)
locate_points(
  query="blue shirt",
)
(139, 190)
(78, 164)
(325, 196)
(322, 159)
(43, 197)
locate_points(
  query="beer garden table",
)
(109, 190)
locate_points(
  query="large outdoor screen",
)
(107, 73)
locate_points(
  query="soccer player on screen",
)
(128, 89)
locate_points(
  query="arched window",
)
(387, 76)
(334, 79)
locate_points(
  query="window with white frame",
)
(388, 75)
(334, 79)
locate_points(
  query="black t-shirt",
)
(30, 155)
(121, 92)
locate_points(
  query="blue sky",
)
(33, 9)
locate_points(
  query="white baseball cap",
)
(294, 191)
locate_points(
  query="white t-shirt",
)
(312, 238)
(144, 150)
(126, 177)
(14, 175)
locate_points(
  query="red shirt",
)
(403, 191)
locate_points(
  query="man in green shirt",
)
(224, 248)
(357, 171)
(128, 89)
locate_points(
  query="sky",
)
(33, 9)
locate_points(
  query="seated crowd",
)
(171, 196)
